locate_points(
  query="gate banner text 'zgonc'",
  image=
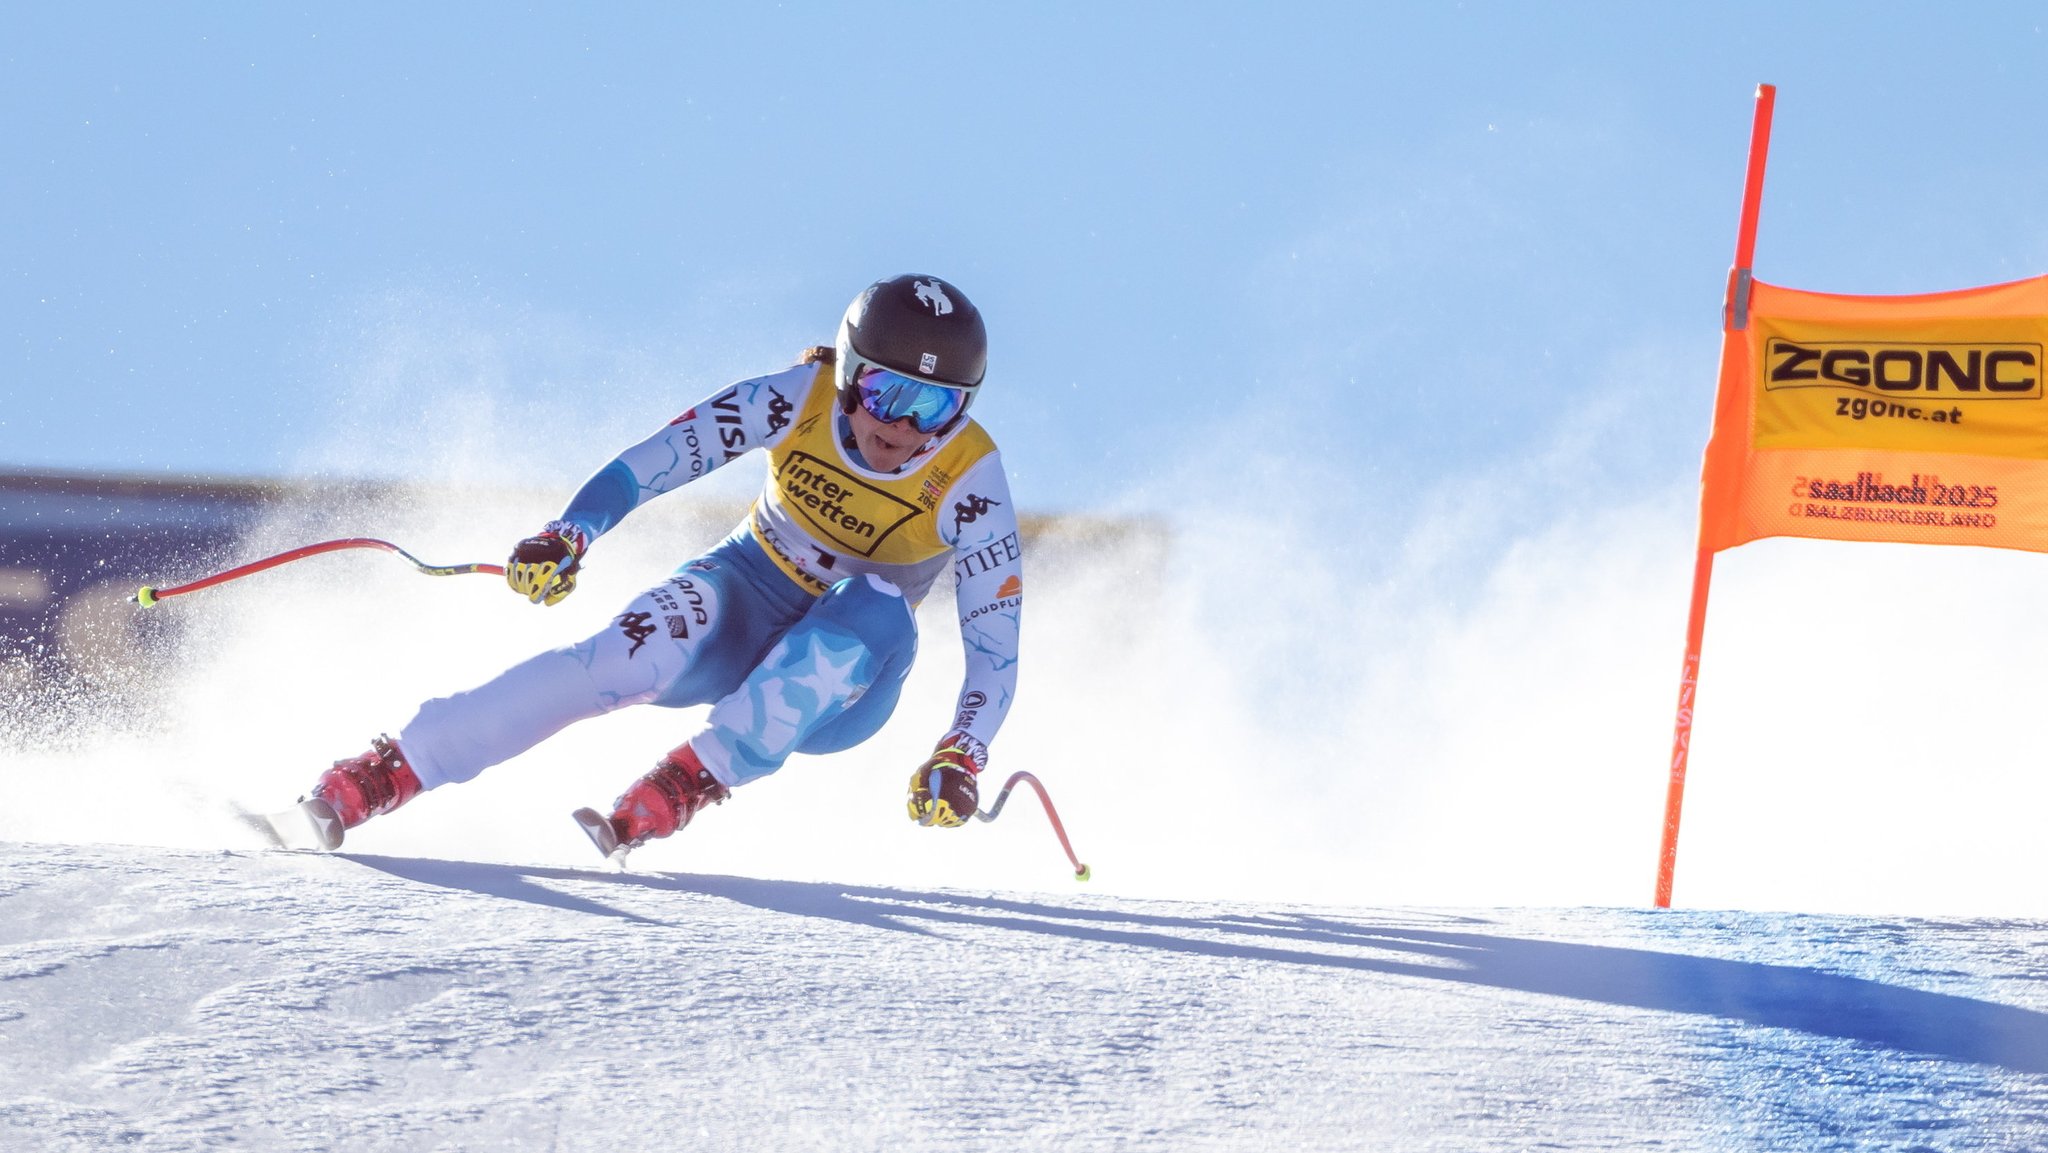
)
(1919, 419)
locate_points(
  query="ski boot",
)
(654, 806)
(346, 795)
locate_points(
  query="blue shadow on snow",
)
(1810, 1000)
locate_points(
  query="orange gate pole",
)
(1734, 318)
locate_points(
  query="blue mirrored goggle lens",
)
(889, 397)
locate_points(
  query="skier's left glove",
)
(942, 791)
(542, 568)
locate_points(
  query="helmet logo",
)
(928, 362)
(930, 293)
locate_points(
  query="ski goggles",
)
(891, 396)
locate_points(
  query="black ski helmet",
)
(919, 326)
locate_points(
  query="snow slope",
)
(179, 999)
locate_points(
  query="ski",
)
(598, 828)
(310, 824)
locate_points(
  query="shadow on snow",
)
(1772, 996)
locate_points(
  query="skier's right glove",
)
(542, 568)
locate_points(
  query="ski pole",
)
(995, 810)
(148, 595)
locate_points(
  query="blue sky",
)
(1402, 240)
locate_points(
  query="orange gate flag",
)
(1919, 419)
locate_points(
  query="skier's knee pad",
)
(873, 610)
(861, 719)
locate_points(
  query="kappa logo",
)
(1976, 370)
(637, 627)
(968, 511)
(779, 409)
(933, 297)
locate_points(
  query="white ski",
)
(310, 824)
(598, 828)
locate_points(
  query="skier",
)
(797, 628)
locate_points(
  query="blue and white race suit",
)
(797, 629)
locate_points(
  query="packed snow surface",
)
(181, 999)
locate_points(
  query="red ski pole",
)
(148, 595)
(1081, 872)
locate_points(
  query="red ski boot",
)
(656, 805)
(368, 786)
(346, 795)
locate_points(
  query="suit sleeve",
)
(724, 427)
(980, 520)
